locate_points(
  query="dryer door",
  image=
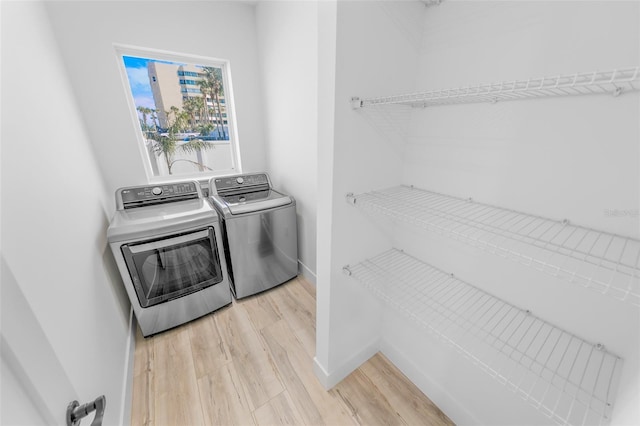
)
(167, 268)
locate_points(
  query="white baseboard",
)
(321, 373)
(436, 393)
(307, 273)
(127, 382)
(330, 379)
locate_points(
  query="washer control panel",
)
(138, 196)
(242, 183)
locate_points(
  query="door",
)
(168, 268)
(35, 388)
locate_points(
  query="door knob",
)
(76, 412)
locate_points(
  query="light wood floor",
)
(251, 363)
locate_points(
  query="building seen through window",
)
(184, 116)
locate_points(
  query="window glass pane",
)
(183, 115)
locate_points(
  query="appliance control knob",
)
(240, 180)
(157, 190)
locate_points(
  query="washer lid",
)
(255, 201)
(147, 222)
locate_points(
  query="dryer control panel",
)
(241, 184)
(140, 196)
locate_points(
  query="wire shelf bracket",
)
(614, 82)
(606, 263)
(570, 380)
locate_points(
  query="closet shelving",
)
(601, 261)
(612, 82)
(567, 378)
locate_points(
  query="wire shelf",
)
(567, 378)
(612, 82)
(604, 262)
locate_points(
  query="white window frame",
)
(141, 52)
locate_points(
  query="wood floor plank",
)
(299, 304)
(287, 353)
(177, 400)
(223, 399)
(298, 307)
(143, 402)
(231, 323)
(278, 411)
(364, 401)
(143, 405)
(262, 312)
(310, 288)
(258, 375)
(207, 346)
(410, 403)
(143, 353)
(314, 404)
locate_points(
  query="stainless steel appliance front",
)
(167, 242)
(260, 232)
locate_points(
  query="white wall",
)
(288, 47)
(86, 32)
(38, 385)
(55, 211)
(563, 158)
(370, 43)
(327, 22)
(17, 409)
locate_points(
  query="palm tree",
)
(154, 118)
(192, 106)
(214, 77)
(180, 118)
(167, 144)
(144, 111)
(205, 89)
(205, 129)
(212, 85)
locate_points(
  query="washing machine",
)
(259, 229)
(167, 243)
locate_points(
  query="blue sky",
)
(139, 80)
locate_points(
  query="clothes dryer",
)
(167, 242)
(260, 232)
